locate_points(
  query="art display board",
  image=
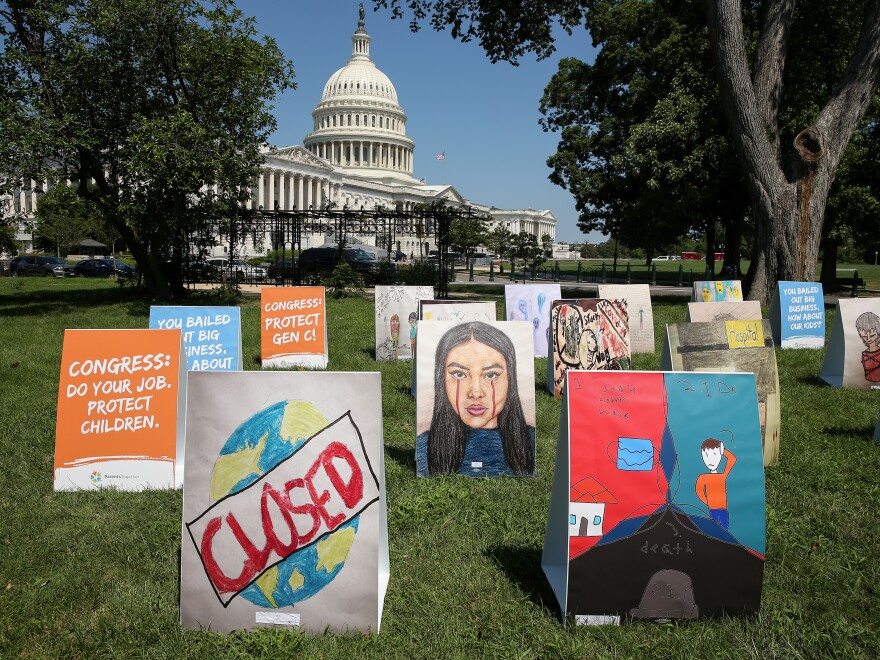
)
(641, 316)
(731, 346)
(877, 431)
(717, 291)
(531, 302)
(590, 333)
(747, 310)
(293, 327)
(458, 311)
(397, 307)
(211, 335)
(284, 511)
(853, 355)
(482, 422)
(797, 315)
(657, 509)
(121, 402)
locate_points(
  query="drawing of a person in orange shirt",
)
(712, 487)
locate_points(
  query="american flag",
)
(441, 155)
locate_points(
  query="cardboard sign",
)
(457, 310)
(731, 346)
(531, 302)
(657, 509)
(747, 310)
(293, 327)
(797, 315)
(397, 316)
(853, 355)
(717, 291)
(119, 396)
(284, 512)
(588, 334)
(211, 335)
(481, 423)
(641, 317)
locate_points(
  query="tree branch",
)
(738, 94)
(851, 97)
(769, 65)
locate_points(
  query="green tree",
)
(466, 234)
(498, 240)
(525, 246)
(154, 101)
(547, 245)
(788, 181)
(64, 218)
(643, 147)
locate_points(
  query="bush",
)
(344, 282)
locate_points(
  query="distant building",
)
(357, 155)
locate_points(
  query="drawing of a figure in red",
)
(868, 327)
(712, 487)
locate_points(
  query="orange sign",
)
(293, 326)
(118, 400)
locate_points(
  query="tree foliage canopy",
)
(765, 93)
(161, 105)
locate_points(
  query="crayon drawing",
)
(684, 535)
(475, 402)
(734, 346)
(717, 291)
(397, 313)
(853, 355)
(531, 302)
(457, 310)
(281, 517)
(588, 334)
(641, 317)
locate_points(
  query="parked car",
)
(239, 267)
(321, 261)
(663, 258)
(104, 268)
(33, 265)
(282, 270)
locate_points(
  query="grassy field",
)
(96, 573)
(667, 271)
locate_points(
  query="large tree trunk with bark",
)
(788, 185)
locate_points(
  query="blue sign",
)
(798, 315)
(211, 335)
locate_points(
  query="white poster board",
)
(853, 355)
(531, 302)
(284, 512)
(641, 316)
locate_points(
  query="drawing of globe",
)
(254, 448)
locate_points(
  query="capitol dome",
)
(359, 125)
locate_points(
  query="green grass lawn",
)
(96, 573)
(667, 271)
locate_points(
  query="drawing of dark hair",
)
(447, 436)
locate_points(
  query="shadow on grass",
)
(370, 352)
(406, 458)
(405, 389)
(860, 432)
(522, 566)
(38, 303)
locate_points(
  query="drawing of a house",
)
(586, 507)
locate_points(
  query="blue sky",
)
(483, 116)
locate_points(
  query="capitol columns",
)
(261, 191)
(271, 205)
(300, 202)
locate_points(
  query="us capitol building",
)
(357, 155)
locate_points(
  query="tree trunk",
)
(829, 265)
(788, 187)
(711, 243)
